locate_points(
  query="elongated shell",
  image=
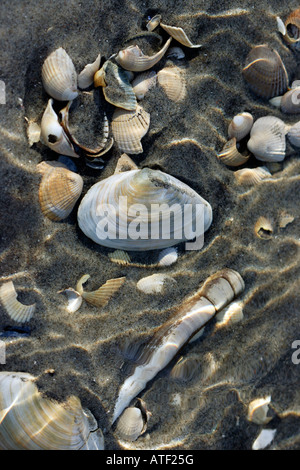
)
(53, 134)
(114, 203)
(86, 76)
(59, 191)
(218, 290)
(15, 309)
(143, 82)
(134, 60)
(230, 155)
(129, 127)
(30, 422)
(267, 139)
(265, 72)
(59, 76)
(173, 82)
(240, 126)
(179, 34)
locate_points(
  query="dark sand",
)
(239, 363)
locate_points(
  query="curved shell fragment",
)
(118, 90)
(134, 60)
(180, 35)
(231, 156)
(86, 76)
(240, 126)
(258, 410)
(143, 82)
(16, 310)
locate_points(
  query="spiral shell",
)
(230, 155)
(173, 82)
(265, 72)
(267, 139)
(59, 191)
(129, 127)
(153, 194)
(180, 35)
(59, 76)
(28, 421)
(240, 126)
(15, 309)
(134, 60)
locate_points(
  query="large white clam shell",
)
(59, 76)
(28, 421)
(141, 221)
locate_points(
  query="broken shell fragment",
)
(15, 309)
(285, 219)
(53, 134)
(125, 163)
(129, 127)
(151, 193)
(263, 228)
(153, 23)
(264, 439)
(101, 296)
(86, 76)
(175, 53)
(290, 101)
(155, 284)
(134, 60)
(59, 191)
(240, 126)
(173, 82)
(231, 314)
(143, 82)
(249, 176)
(59, 76)
(290, 30)
(179, 35)
(118, 90)
(33, 132)
(28, 421)
(267, 139)
(230, 155)
(265, 72)
(258, 410)
(185, 369)
(217, 291)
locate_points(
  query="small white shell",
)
(59, 76)
(258, 410)
(168, 256)
(294, 134)
(33, 133)
(86, 76)
(74, 299)
(290, 101)
(153, 23)
(15, 309)
(267, 139)
(131, 424)
(264, 438)
(263, 228)
(231, 314)
(240, 126)
(143, 82)
(155, 284)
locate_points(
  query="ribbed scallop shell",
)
(15, 309)
(101, 296)
(267, 139)
(290, 102)
(30, 422)
(134, 60)
(86, 76)
(59, 76)
(131, 424)
(59, 191)
(145, 192)
(129, 127)
(252, 175)
(240, 126)
(179, 34)
(230, 155)
(118, 90)
(173, 82)
(265, 72)
(143, 82)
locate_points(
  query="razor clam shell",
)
(267, 139)
(173, 82)
(53, 134)
(59, 76)
(230, 155)
(30, 422)
(240, 126)
(252, 175)
(16, 310)
(86, 76)
(265, 72)
(143, 82)
(149, 188)
(134, 60)
(179, 34)
(129, 127)
(155, 284)
(218, 290)
(59, 191)
(118, 90)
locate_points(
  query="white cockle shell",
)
(59, 76)
(148, 196)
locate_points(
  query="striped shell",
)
(28, 421)
(16, 310)
(101, 296)
(265, 72)
(230, 155)
(218, 290)
(267, 139)
(59, 191)
(248, 176)
(108, 212)
(179, 35)
(129, 127)
(173, 82)
(240, 126)
(59, 76)
(131, 424)
(134, 60)
(143, 82)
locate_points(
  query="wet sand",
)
(239, 363)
